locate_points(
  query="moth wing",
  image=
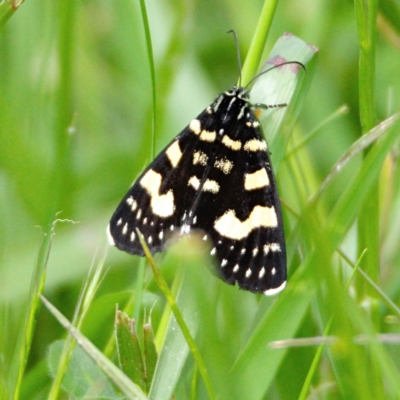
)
(159, 201)
(244, 221)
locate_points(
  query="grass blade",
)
(128, 347)
(131, 390)
(179, 318)
(258, 43)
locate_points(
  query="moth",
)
(216, 177)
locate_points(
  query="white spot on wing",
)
(130, 201)
(271, 292)
(161, 205)
(119, 222)
(273, 271)
(125, 229)
(207, 136)
(200, 158)
(174, 153)
(210, 186)
(195, 126)
(255, 251)
(110, 238)
(132, 236)
(261, 273)
(275, 247)
(231, 144)
(224, 165)
(248, 273)
(254, 124)
(213, 251)
(255, 145)
(235, 268)
(230, 226)
(256, 180)
(194, 182)
(161, 235)
(224, 262)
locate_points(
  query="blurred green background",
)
(85, 66)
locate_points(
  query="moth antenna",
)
(275, 66)
(239, 60)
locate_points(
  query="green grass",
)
(82, 108)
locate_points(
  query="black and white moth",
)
(215, 176)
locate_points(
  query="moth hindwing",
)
(215, 176)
